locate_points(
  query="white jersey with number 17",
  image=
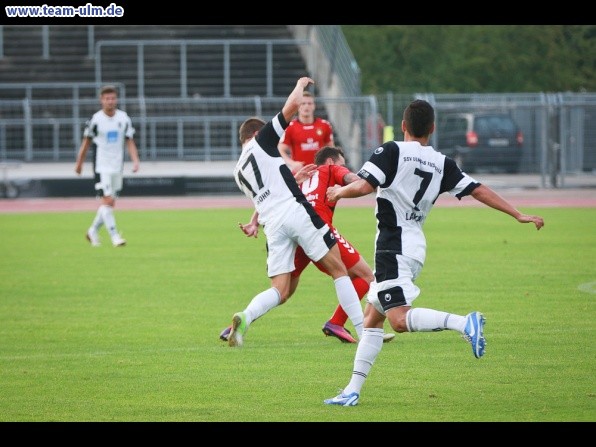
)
(263, 176)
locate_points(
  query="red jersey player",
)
(305, 135)
(331, 170)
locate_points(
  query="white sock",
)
(367, 351)
(348, 299)
(107, 213)
(261, 304)
(97, 221)
(428, 320)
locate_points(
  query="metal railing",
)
(45, 90)
(224, 47)
(204, 129)
(559, 129)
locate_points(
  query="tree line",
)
(474, 58)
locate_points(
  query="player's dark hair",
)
(419, 118)
(249, 127)
(326, 152)
(108, 89)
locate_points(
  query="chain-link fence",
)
(559, 129)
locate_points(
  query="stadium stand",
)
(66, 53)
(65, 58)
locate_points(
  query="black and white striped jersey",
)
(263, 176)
(409, 178)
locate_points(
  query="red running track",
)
(521, 198)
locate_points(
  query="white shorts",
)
(109, 184)
(400, 291)
(297, 229)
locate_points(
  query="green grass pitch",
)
(131, 334)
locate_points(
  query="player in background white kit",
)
(288, 219)
(408, 177)
(110, 129)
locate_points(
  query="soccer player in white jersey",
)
(408, 177)
(110, 129)
(288, 219)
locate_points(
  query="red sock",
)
(339, 317)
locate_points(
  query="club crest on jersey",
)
(379, 150)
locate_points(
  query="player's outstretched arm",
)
(358, 188)
(489, 197)
(295, 98)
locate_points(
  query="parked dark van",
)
(480, 141)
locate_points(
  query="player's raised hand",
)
(295, 98)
